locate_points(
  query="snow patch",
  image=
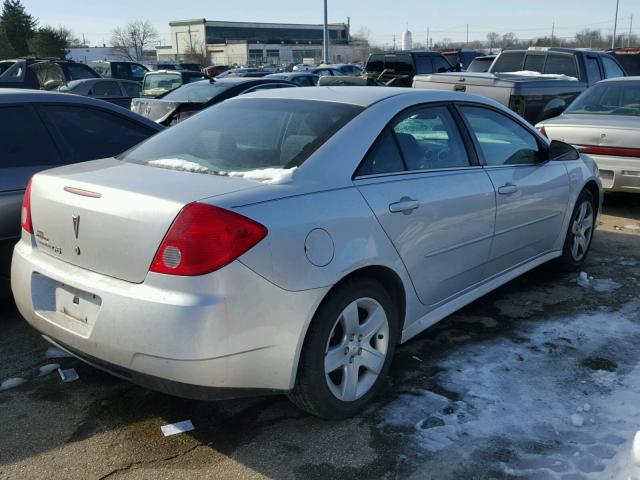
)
(599, 285)
(54, 352)
(530, 73)
(269, 176)
(12, 382)
(178, 164)
(577, 420)
(48, 368)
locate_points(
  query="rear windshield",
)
(199, 92)
(375, 63)
(480, 64)
(165, 81)
(629, 61)
(609, 98)
(245, 135)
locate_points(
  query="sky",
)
(95, 19)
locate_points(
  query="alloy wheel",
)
(582, 230)
(356, 350)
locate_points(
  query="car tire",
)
(355, 330)
(580, 233)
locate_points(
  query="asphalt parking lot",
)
(538, 379)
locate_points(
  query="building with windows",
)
(251, 44)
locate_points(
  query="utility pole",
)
(394, 42)
(553, 29)
(325, 37)
(428, 44)
(630, 25)
(467, 34)
(615, 27)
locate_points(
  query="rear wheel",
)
(580, 233)
(348, 350)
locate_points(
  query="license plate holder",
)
(77, 304)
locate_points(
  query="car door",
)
(26, 148)
(433, 200)
(531, 193)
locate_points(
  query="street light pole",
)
(615, 27)
(325, 37)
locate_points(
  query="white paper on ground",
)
(175, 428)
(68, 375)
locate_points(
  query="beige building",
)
(251, 44)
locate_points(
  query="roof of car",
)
(621, 79)
(289, 75)
(362, 96)
(22, 95)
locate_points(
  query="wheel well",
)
(592, 186)
(389, 280)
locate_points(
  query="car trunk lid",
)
(110, 217)
(154, 109)
(594, 130)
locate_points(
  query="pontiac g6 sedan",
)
(286, 241)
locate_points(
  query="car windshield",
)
(245, 135)
(198, 92)
(611, 98)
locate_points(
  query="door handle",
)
(507, 189)
(406, 205)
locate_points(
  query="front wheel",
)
(580, 232)
(348, 350)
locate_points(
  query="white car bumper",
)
(619, 174)
(212, 336)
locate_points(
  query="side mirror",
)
(554, 108)
(562, 151)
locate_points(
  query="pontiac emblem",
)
(76, 224)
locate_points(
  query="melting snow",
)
(54, 352)
(48, 368)
(270, 176)
(530, 73)
(178, 164)
(527, 398)
(11, 383)
(599, 285)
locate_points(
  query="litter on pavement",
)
(178, 427)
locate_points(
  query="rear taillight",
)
(204, 238)
(543, 132)
(25, 216)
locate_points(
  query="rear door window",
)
(508, 62)
(561, 64)
(375, 63)
(534, 62)
(106, 88)
(404, 65)
(384, 158)
(423, 64)
(593, 70)
(25, 140)
(611, 68)
(90, 133)
(440, 65)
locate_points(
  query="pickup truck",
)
(537, 83)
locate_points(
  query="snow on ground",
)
(599, 285)
(561, 400)
(270, 176)
(11, 383)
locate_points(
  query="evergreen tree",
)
(6, 50)
(48, 42)
(18, 26)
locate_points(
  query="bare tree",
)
(509, 40)
(492, 39)
(131, 41)
(196, 52)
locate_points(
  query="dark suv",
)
(397, 69)
(42, 74)
(121, 70)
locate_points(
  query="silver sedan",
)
(604, 122)
(286, 241)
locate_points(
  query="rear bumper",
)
(619, 174)
(230, 329)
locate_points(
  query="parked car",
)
(244, 72)
(48, 129)
(302, 67)
(347, 69)
(629, 59)
(397, 69)
(42, 73)
(193, 67)
(118, 92)
(159, 82)
(604, 122)
(327, 71)
(302, 79)
(461, 57)
(215, 70)
(481, 64)
(121, 70)
(285, 241)
(183, 102)
(537, 83)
